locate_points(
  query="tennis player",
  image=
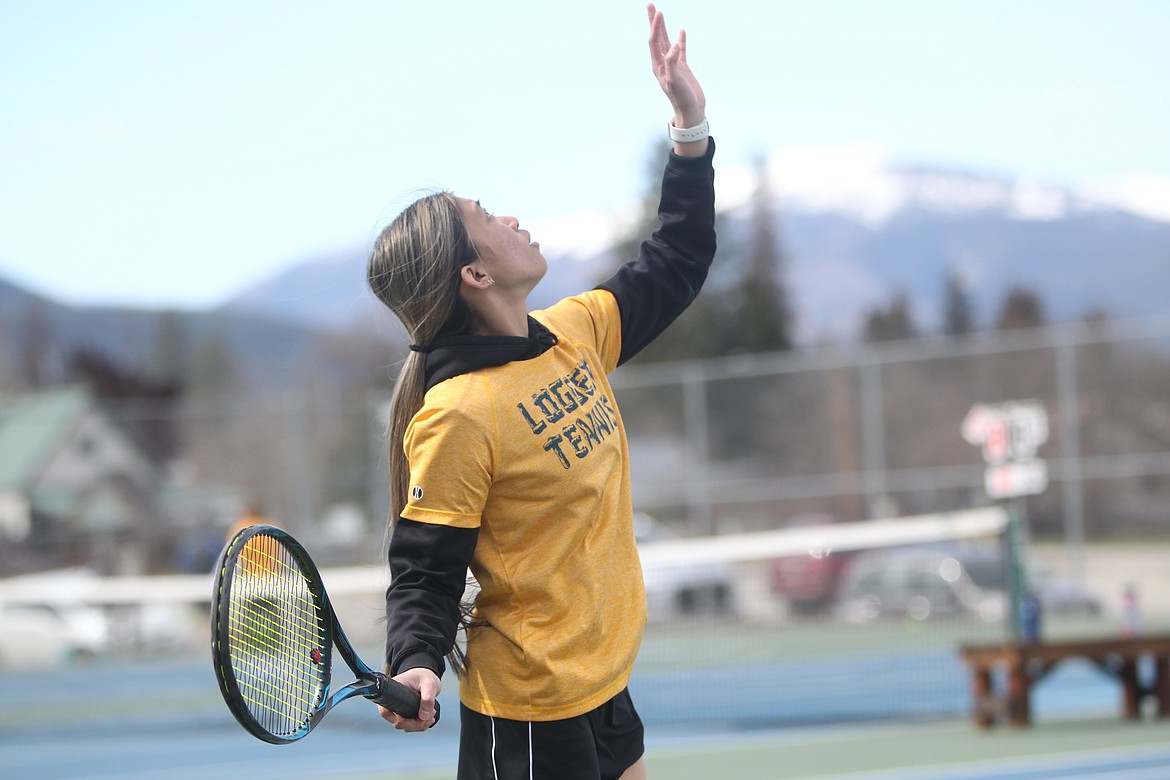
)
(508, 457)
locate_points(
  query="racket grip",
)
(396, 697)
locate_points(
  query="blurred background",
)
(924, 210)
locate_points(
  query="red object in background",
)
(808, 581)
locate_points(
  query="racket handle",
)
(396, 697)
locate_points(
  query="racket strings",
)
(278, 684)
(277, 637)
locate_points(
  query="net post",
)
(1015, 543)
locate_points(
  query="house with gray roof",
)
(75, 487)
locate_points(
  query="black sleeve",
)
(672, 264)
(428, 573)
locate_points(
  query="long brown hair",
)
(414, 270)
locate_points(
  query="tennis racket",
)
(273, 631)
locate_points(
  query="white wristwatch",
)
(687, 134)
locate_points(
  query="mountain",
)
(323, 292)
(1110, 262)
(1105, 261)
(262, 349)
(330, 291)
(857, 230)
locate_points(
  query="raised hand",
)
(669, 61)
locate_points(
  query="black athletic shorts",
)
(598, 745)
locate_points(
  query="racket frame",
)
(369, 683)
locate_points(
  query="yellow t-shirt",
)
(534, 454)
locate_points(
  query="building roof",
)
(32, 427)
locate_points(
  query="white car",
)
(922, 583)
(679, 588)
(45, 635)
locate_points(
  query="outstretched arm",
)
(669, 61)
(671, 267)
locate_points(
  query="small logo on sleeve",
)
(416, 493)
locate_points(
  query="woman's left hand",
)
(669, 61)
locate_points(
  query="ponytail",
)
(404, 404)
(414, 270)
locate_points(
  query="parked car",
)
(922, 583)
(1059, 596)
(675, 586)
(41, 634)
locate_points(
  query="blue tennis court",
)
(830, 718)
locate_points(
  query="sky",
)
(169, 154)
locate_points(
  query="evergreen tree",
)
(891, 322)
(213, 368)
(145, 407)
(36, 345)
(645, 215)
(958, 314)
(170, 359)
(1021, 308)
(763, 318)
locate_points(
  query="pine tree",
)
(1021, 308)
(213, 368)
(958, 314)
(171, 354)
(892, 322)
(763, 316)
(36, 345)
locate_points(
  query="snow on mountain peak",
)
(1146, 196)
(853, 179)
(861, 182)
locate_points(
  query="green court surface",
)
(910, 750)
(843, 752)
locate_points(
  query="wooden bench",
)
(1025, 664)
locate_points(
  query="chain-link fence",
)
(742, 442)
(738, 444)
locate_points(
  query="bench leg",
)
(1019, 695)
(982, 698)
(1131, 705)
(1162, 685)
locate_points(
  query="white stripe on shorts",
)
(495, 772)
(531, 762)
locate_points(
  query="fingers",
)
(425, 719)
(669, 61)
(428, 685)
(414, 724)
(659, 42)
(428, 710)
(662, 51)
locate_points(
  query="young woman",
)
(508, 457)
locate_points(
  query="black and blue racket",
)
(273, 631)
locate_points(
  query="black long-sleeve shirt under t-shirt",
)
(429, 561)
